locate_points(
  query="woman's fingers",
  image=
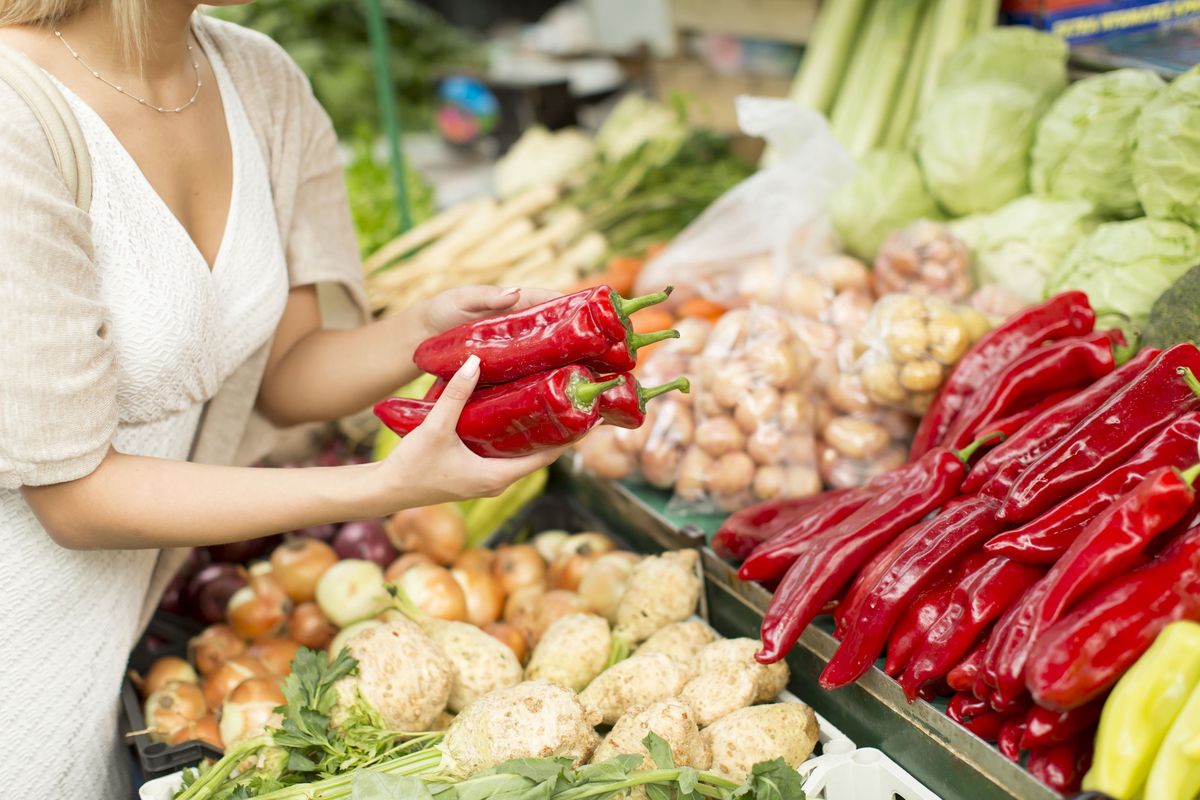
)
(524, 465)
(532, 297)
(446, 411)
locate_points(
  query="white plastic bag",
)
(781, 211)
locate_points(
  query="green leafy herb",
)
(772, 780)
(659, 751)
(375, 786)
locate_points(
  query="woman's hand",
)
(432, 465)
(468, 303)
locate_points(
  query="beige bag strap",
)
(56, 118)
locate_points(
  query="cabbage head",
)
(1124, 266)
(1018, 246)
(885, 195)
(1015, 53)
(1166, 153)
(973, 143)
(1084, 145)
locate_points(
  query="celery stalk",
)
(860, 73)
(949, 32)
(898, 23)
(986, 14)
(828, 53)
(905, 110)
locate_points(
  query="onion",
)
(402, 564)
(439, 532)
(250, 710)
(275, 654)
(210, 589)
(260, 609)
(348, 633)
(204, 729)
(484, 597)
(172, 707)
(365, 539)
(553, 606)
(323, 533)
(434, 591)
(587, 543)
(197, 559)
(299, 563)
(521, 607)
(168, 669)
(174, 598)
(518, 566)
(227, 676)
(605, 580)
(548, 542)
(510, 636)
(476, 559)
(215, 645)
(243, 552)
(352, 590)
(309, 626)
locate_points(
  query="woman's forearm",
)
(329, 374)
(134, 502)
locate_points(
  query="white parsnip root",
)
(636, 682)
(662, 589)
(761, 733)
(534, 719)
(572, 651)
(672, 721)
(719, 691)
(680, 640)
(771, 679)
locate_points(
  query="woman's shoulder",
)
(23, 138)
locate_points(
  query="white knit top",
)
(179, 329)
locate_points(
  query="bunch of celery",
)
(872, 65)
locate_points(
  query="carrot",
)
(701, 308)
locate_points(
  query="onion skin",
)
(244, 551)
(299, 563)
(548, 543)
(172, 707)
(213, 646)
(174, 598)
(260, 609)
(226, 678)
(402, 564)
(365, 539)
(209, 590)
(309, 627)
(352, 590)
(323, 533)
(250, 710)
(434, 591)
(476, 559)
(275, 654)
(510, 636)
(605, 581)
(521, 609)
(439, 532)
(553, 606)
(204, 729)
(518, 566)
(166, 670)
(483, 595)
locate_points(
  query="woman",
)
(137, 339)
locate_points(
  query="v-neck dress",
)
(179, 330)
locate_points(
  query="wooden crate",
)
(779, 20)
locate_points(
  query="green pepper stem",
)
(650, 392)
(965, 454)
(639, 340)
(585, 393)
(1190, 474)
(629, 305)
(1190, 379)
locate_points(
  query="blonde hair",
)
(129, 16)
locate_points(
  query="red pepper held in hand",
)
(1038, 434)
(543, 411)
(1084, 653)
(1044, 540)
(833, 558)
(578, 327)
(1066, 314)
(1026, 379)
(1113, 543)
(625, 406)
(1109, 435)
(928, 551)
(744, 530)
(977, 600)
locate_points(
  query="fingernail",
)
(510, 292)
(470, 367)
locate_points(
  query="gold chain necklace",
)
(160, 109)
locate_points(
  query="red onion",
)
(210, 589)
(197, 559)
(174, 599)
(365, 539)
(241, 552)
(324, 533)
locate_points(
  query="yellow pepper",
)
(1176, 771)
(1141, 709)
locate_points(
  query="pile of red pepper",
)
(1023, 585)
(547, 374)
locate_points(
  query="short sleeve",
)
(58, 377)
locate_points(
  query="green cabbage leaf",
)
(1166, 154)
(885, 194)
